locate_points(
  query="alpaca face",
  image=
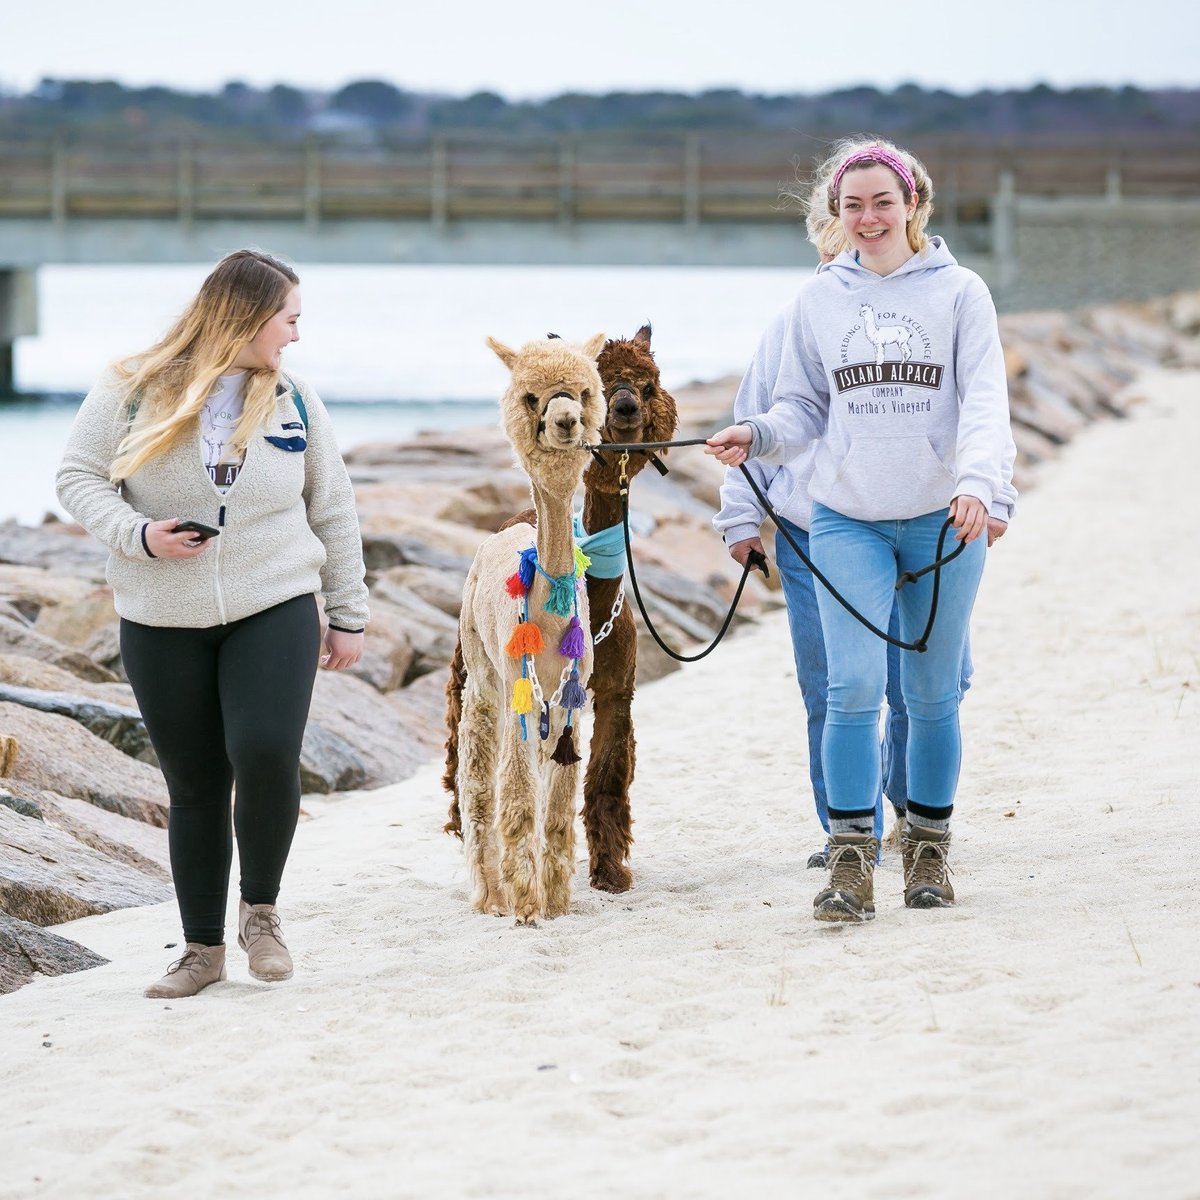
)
(554, 401)
(639, 407)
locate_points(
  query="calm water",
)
(391, 349)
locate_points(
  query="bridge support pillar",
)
(18, 317)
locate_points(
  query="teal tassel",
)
(561, 601)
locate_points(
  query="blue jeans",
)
(863, 559)
(808, 649)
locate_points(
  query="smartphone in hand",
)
(198, 530)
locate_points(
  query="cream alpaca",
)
(518, 803)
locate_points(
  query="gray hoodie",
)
(900, 381)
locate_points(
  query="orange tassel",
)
(526, 639)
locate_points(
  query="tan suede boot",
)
(926, 872)
(850, 895)
(261, 936)
(199, 966)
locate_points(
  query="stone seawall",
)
(82, 804)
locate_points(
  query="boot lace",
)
(929, 865)
(264, 924)
(191, 960)
(850, 865)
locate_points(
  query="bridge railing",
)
(692, 177)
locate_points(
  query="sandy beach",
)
(702, 1036)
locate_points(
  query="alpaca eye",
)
(586, 395)
(531, 400)
(648, 391)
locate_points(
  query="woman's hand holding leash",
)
(750, 550)
(969, 516)
(729, 445)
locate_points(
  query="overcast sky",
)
(523, 49)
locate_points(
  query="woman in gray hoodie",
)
(216, 483)
(891, 371)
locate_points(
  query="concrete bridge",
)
(1048, 224)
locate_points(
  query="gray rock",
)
(329, 763)
(384, 550)
(57, 754)
(48, 877)
(64, 549)
(121, 727)
(20, 639)
(27, 951)
(433, 634)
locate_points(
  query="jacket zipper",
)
(217, 569)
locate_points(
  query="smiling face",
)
(264, 352)
(875, 216)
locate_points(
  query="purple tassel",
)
(564, 753)
(573, 695)
(572, 644)
(528, 566)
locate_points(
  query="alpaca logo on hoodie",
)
(900, 351)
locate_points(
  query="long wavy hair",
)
(820, 202)
(169, 382)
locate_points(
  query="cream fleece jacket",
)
(288, 524)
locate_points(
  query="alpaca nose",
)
(567, 424)
(625, 406)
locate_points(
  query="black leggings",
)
(227, 705)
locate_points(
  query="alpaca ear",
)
(503, 353)
(642, 337)
(594, 345)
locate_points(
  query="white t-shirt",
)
(218, 419)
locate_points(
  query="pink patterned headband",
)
(880, 155)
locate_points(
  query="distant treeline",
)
(371, 109)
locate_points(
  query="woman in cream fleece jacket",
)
(220, 629)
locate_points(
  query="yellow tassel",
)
(522, 697)
(526, 639)
(582, 562)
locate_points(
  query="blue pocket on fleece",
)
(295, 444)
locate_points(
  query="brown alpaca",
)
(516, 790)
(639, 410)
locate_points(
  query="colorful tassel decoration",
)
(526, 639)
(561, 601)
(573, 695)
(528, 566)
(582, 562)
(564, 753)
(572, 644)
(522, 696)
(515, 586)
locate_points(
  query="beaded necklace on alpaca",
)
(527, 641)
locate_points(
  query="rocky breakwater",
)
(82, 805)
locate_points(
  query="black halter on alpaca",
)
(920, 646)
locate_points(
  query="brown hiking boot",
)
(260, 934)
(199, 966)
(926, 872)
(850, 895)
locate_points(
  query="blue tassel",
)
(528, 566)
(573, 695)
(561, 601)
(572, 644)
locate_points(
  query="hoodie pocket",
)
(885, 477)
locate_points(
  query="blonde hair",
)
(168, 383)
(822, 217)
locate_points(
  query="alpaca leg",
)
(518, 827)
(477, 788)
(606, 814)
(558, 863)
(454, 691)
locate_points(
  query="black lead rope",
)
(919, 646)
